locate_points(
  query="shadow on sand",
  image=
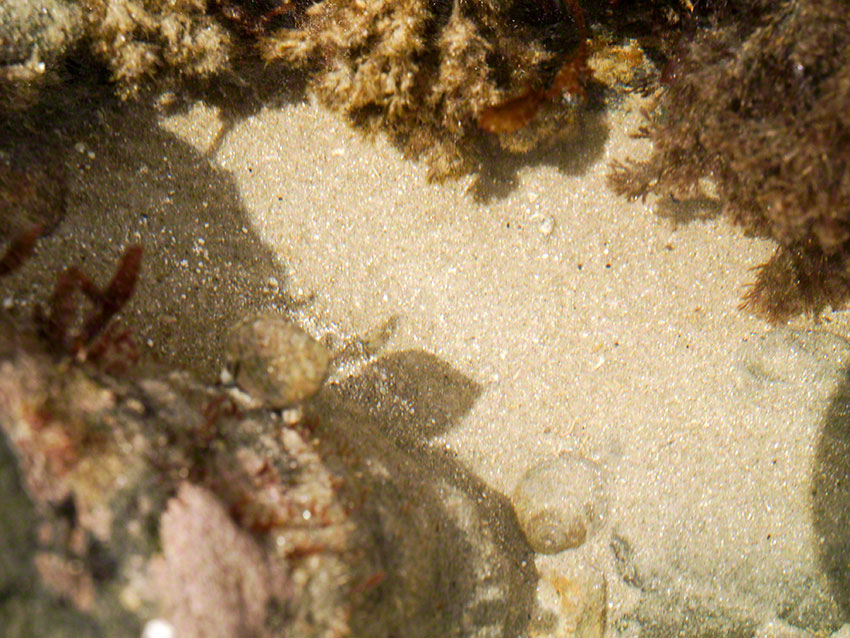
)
(831, 495)
(455, 560)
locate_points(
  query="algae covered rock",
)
(757, 104)
(234, 579)
(34, 37)
(158, 502)
(434, 75)
(155, 501)
(137, 39)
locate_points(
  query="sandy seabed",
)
(590, 324)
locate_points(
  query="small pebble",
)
(272, 286)
(546, 226)
(560, 503)
(708, 187)
(545, 223)
(275, 361)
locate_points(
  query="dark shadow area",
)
(498, 171)
(124, 180)
(34, 144)
(417, 395)
(687, 211)
(17, 520)
(455, 560)
(661, 611)
(831, 495)
(258, 85)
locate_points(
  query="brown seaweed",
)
(759, 105)
(20, 249)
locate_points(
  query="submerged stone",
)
(791, 356)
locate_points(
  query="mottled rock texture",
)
(156, 497)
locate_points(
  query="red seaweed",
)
(56, 327)
(117, 292)
(20, 249)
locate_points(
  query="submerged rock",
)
(156, 500)
(234, 580)
(159, 504)
(797, 357)
(34, 36)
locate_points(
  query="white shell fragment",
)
(158, 628)
(275, 361)
(560, 503)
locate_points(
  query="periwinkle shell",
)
(560, 503)
(275, 361)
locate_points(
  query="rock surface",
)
(156, 500)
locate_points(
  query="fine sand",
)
(590, 324)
